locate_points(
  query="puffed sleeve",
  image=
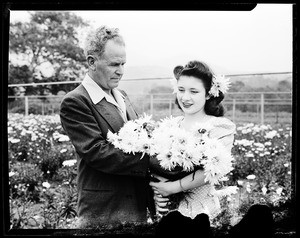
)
(224, 130)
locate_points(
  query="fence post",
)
(262, 103)
(43, 108)
(26, 105)
(170, 107)
(233, 110)
(151, 104)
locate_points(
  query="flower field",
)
(42, 173)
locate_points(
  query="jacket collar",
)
(96, 94)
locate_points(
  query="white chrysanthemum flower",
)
(62, 138)
(251, 176)
(63, 150)
(224, 179)
(279, 190)
(259, 145)
(14, 141)
(244, 142)
(46, 184)
(248, 188)
(265, 127)
(271, 134)
(219, 165)
(144, 119)
(188, 165)
(165, 160)
(11, 174)
(9, 129)
(264, 190)
(69, 163)
(268, 143)
(240, 182)
(174, 86)
(219, 84)
(134, 135)
(249, 155)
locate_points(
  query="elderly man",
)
(113, 187)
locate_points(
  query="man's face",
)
(109, 68)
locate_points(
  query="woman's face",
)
(191, 94)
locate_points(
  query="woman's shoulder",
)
(223, 125)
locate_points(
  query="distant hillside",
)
(136, 72)
(261, 81)
(133, 81)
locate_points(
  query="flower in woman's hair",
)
(174, 86)
(219, 84)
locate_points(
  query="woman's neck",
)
(190, 119)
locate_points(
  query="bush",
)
(24, 181)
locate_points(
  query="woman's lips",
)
(186, 105)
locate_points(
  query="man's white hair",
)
(97, 38)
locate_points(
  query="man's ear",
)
(91, 62)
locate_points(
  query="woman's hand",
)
(164, 187)
(161, 203)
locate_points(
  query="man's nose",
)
(120, 70)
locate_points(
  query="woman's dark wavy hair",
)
(200, 70)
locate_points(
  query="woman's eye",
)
(194, 92)
(181, 90)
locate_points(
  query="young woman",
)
(199, 96)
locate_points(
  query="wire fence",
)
(256, 107)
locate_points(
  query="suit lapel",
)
(111, 114)
(130, 112)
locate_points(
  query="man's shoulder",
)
(77, 92)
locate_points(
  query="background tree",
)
(284, 86)
(46, 49)
(236, 86)
(157, 89)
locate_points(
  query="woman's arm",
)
(166, 188)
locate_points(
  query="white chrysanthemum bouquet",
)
(176, 148)
(134, 136)
(175, 152)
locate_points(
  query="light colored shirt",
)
(96, 93)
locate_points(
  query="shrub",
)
(24, 182)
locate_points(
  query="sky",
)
(233, 42)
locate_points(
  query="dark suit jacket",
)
(112, 186)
